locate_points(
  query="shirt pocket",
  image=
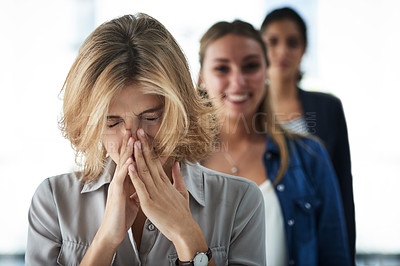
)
(218, 254)
(305, 221)
(71, 253)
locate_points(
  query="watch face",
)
(201, 259)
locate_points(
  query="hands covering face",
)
(143, 183)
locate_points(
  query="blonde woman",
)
(304, 213)
(132, 115)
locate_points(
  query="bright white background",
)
(353, 53)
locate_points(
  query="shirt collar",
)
(194, 181)
(104, 178)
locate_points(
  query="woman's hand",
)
(121, 208)
(120, 212)
(164, 203)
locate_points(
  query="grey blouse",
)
(65, 215)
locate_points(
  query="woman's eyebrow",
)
(221, 60)
(251, 56)
(113, 117)
(152, 110)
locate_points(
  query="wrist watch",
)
(201, 259)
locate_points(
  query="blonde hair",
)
(264, 123)
(133, 49)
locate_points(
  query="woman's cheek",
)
(150, 130)
(113, 147)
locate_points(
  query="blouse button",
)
(290, 222)
(291, 262)
(307, 205)
(151, 227)
(268, 155)
(280, 187)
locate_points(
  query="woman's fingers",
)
(140, 187)
(125, 158)
(153, 163)
(149, 156)
(126, 147)
(122, 171)
(142, 168)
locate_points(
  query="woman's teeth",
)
(238, 97)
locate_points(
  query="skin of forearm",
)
(190, 242)
(100, 252)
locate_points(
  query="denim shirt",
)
(311, 204)
(325, 118)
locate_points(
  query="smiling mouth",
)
(237, 98)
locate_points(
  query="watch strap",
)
(191, 262)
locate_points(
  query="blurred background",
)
(353, 53)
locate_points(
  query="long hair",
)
(133, 49)
(265, 122)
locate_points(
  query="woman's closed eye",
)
(150, 117)
(113, 125)
(112, 122)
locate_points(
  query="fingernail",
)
(132, 168)
(139, 145)
(141, 132)
(130, 141)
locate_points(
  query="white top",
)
(297, 125)
(275, 232)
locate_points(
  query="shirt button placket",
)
(290, 222)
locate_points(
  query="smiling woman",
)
(304, 219)
(133, 116)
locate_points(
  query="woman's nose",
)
(283, 49)
(237, 79)
(132, 124)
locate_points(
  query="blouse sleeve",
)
(248, 236)
(44, 237)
